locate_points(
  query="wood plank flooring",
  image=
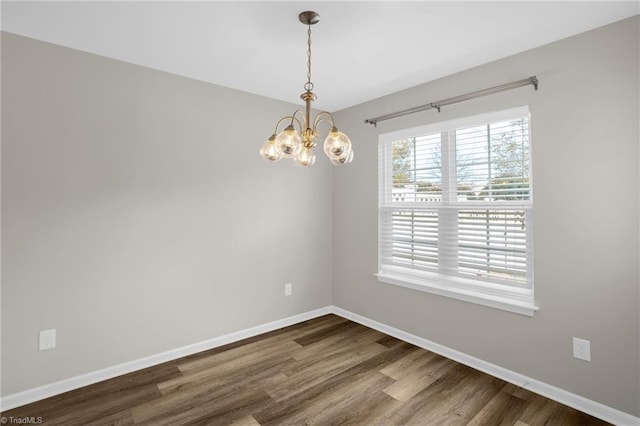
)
(326, 371)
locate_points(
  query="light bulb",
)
(306, 158)
(337, 145)
(269, 151)
(288, 142)
(344, 160)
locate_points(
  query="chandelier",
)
(298, 143)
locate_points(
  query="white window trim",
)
(455, 288)
(473, 120)
(503, 297)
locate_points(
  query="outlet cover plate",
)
(582, 349)
(47, 339)
(288, 289)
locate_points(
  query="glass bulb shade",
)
(288, 142)
(269, 151)
(337, 145)
(344, 160)
(306, 158)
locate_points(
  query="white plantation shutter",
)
(410, 237)
(493, 243)
(455, 208)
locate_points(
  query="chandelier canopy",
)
(298, 143)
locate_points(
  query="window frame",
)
(509, 297)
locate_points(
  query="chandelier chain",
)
(309, 85)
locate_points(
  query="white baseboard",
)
(578, 402)
(21, 398)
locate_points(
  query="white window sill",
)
(523, 306)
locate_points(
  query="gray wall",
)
(585, 169)
(137, 216)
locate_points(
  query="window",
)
(456, 210)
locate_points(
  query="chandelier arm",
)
(319, 119)
(300, 124)
(280, 121)
(292, 117)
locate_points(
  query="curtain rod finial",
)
(534, 81)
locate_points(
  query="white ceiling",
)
(361, 50)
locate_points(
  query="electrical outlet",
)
(582, 349)
(47, 339)
(288, 289)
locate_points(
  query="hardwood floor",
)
(325, 371)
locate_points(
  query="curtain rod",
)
(439, 104)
